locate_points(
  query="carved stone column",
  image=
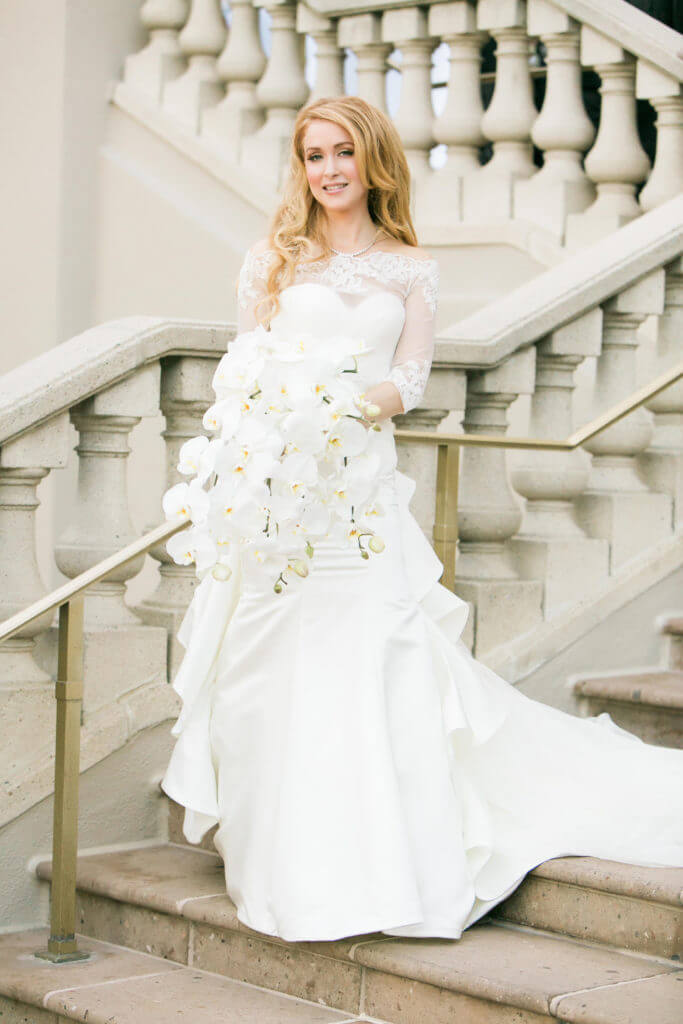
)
(239, 66)
(200, 85)
(439, 200)
(551, 545)
(617, 163)
(281, 91)
(661, 464)
(329, 60)
(562, 130)
(186, 393)
(488, 192)
(162, 59)
(489, 515)
(664, 93)
(362, 33)
(618, 505)
(407, 29)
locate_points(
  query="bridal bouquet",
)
(290, 462)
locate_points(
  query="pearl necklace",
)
(359, 252)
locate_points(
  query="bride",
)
(366, 773)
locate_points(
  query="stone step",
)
(649, 704)
(122, 986)
(635, 908)
(671, 628)
(624, 905)
(170, 902)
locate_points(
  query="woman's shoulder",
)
(413, 251)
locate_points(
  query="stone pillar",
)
(551, 545)
(186, 393)
(162, 59)
(562, 130)
(24, 462)
(200, 85)
(239, 66)
(439, 200)
(27, 704)
(281, 91)
(618, 505)
(664, 93)
(661, 464)
(362, 33)
(329, 65)
(617, 163)
(507, 122)
(407, 29)
(488, 513)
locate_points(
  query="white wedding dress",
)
(366, 772)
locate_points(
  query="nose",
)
(329, 166)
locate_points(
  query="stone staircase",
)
(581, 940)
(648, 703)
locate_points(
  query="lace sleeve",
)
(415, 348)
(251, 286)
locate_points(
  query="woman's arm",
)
(406, 382)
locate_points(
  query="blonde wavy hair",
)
(297, 224)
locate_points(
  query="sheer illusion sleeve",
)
(415, 348)
(251, 286)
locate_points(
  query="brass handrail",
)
(62, 946)
(445, 532)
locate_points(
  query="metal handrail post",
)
(62, 946)
(446, 518)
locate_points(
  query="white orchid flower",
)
(348, 436)
(186, 501)
(193, 545)
(198, 456)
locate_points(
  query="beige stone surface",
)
(159, 877)
(27, 979)
(657, 1000)
(278, 966)
(190, 996)
(13, 1012)
(502, 965)
(139, 928)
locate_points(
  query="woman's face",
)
(330, 160)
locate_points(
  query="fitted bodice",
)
(387, 299)
(377, 318)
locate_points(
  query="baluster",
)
(551, 545)
(664, 93)
(507, 122)
(661, 463)
(617, 163)
(239, 66)
(162, 59)
(459, 124)
(563, 129)
(100, 524)
(281, 91)
(329, 64)
(362, 33)
(24, 462)
(618, 505)
(489, 514)
(186, 393)
(200, 86)
(406, 28)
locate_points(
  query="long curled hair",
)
(298, 222)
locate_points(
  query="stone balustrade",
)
(540, 533)
(593, 178)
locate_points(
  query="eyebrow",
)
(312, 149)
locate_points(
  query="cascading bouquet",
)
(290, 464)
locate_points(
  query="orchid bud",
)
(364, 554)
(376, 543)
(299, 567)
(372, 410)
(221, 571)
(309, 549)
(277, 587)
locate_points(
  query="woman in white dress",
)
(365, 771)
